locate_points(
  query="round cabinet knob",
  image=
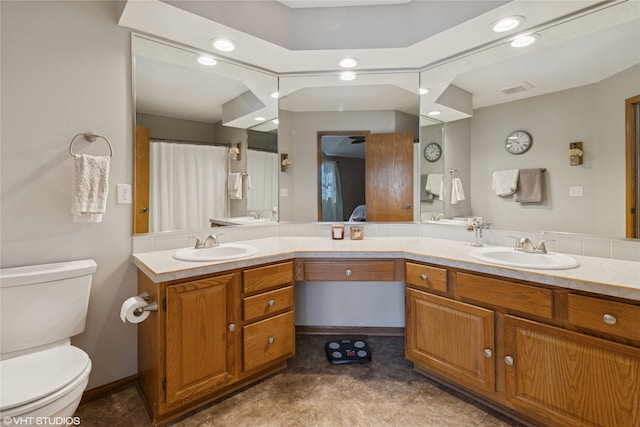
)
(488, 353)
(232, 327)
(271, 303)
(609, 319)
(423, 276)
(508, 360)
(348, 272)
(271, 340)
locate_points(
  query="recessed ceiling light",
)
(434, 113)
(423, 91)
(206, 60)
(275, 95)
(259, 119)
(348, 62)
(506, 24)
(347, 75)
(225, 45)
(525, 40)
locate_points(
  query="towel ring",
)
(89, 137)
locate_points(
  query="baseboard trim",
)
(105, 389)
(350, 330)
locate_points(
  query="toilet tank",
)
(42, 304)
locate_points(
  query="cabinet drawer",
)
(509, 295)
(426, 277)
(268, 340)
(270, 276)
(610, 317)
(267, 303)
(360, 270)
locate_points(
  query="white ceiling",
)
(579, 51)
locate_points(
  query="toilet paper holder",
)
(149, 307)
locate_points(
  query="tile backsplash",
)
(568, 243)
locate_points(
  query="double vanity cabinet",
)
(546, 354)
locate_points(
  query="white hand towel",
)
(434, 184)
(90, 187)
(505, 182)
(234, 185)
(457, 192)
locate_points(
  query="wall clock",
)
(432, 152)
(518, 142)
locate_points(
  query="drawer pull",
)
(488, 353)
(271, 340)
(508, 360)
(271, 303)
(348, 272)
(424, 276)
(609, 319)
(232, 327)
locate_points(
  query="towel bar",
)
(89, 137)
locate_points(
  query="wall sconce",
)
(575, 153)
(285, 162)
(234, 151)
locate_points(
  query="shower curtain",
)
(331, 192)
(262, 168)
(188, 185)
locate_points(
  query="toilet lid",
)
(33, 376)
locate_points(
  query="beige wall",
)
(66, 70)
(593, 114)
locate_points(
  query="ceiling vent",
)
(521, 87)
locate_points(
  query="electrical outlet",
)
(284, 192)
(576, 191)
(124, 194)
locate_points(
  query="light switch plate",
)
(284, 192)
(124, 194)
(576, 191)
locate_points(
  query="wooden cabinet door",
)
(567, 378)
(200, 345)
(450, 338)
(389, 176)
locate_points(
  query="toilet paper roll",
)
(128, 310)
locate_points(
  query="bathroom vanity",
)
(552, 348)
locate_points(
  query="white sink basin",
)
(512, 258)
(225, 251)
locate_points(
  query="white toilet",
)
(42, 376)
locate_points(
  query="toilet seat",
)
(34, 380)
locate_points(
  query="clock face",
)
(432, 152)
(518, 142)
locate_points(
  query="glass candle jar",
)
(337, 231)
(356, 232)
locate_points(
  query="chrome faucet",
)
(523, 244)
(437, 217)
(255, 215)
(210, 242)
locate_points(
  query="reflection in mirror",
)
(432, 176)
(382, 105)
(206, 140)
(569, 86)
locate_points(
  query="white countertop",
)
(598, 275)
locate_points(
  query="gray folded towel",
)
(529, 186)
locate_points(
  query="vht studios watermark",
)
(41, 421)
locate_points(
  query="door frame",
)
(631, 165)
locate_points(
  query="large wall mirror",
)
(569, 86)
(206, 140)
(348, 143)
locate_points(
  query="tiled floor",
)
(313, 392)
